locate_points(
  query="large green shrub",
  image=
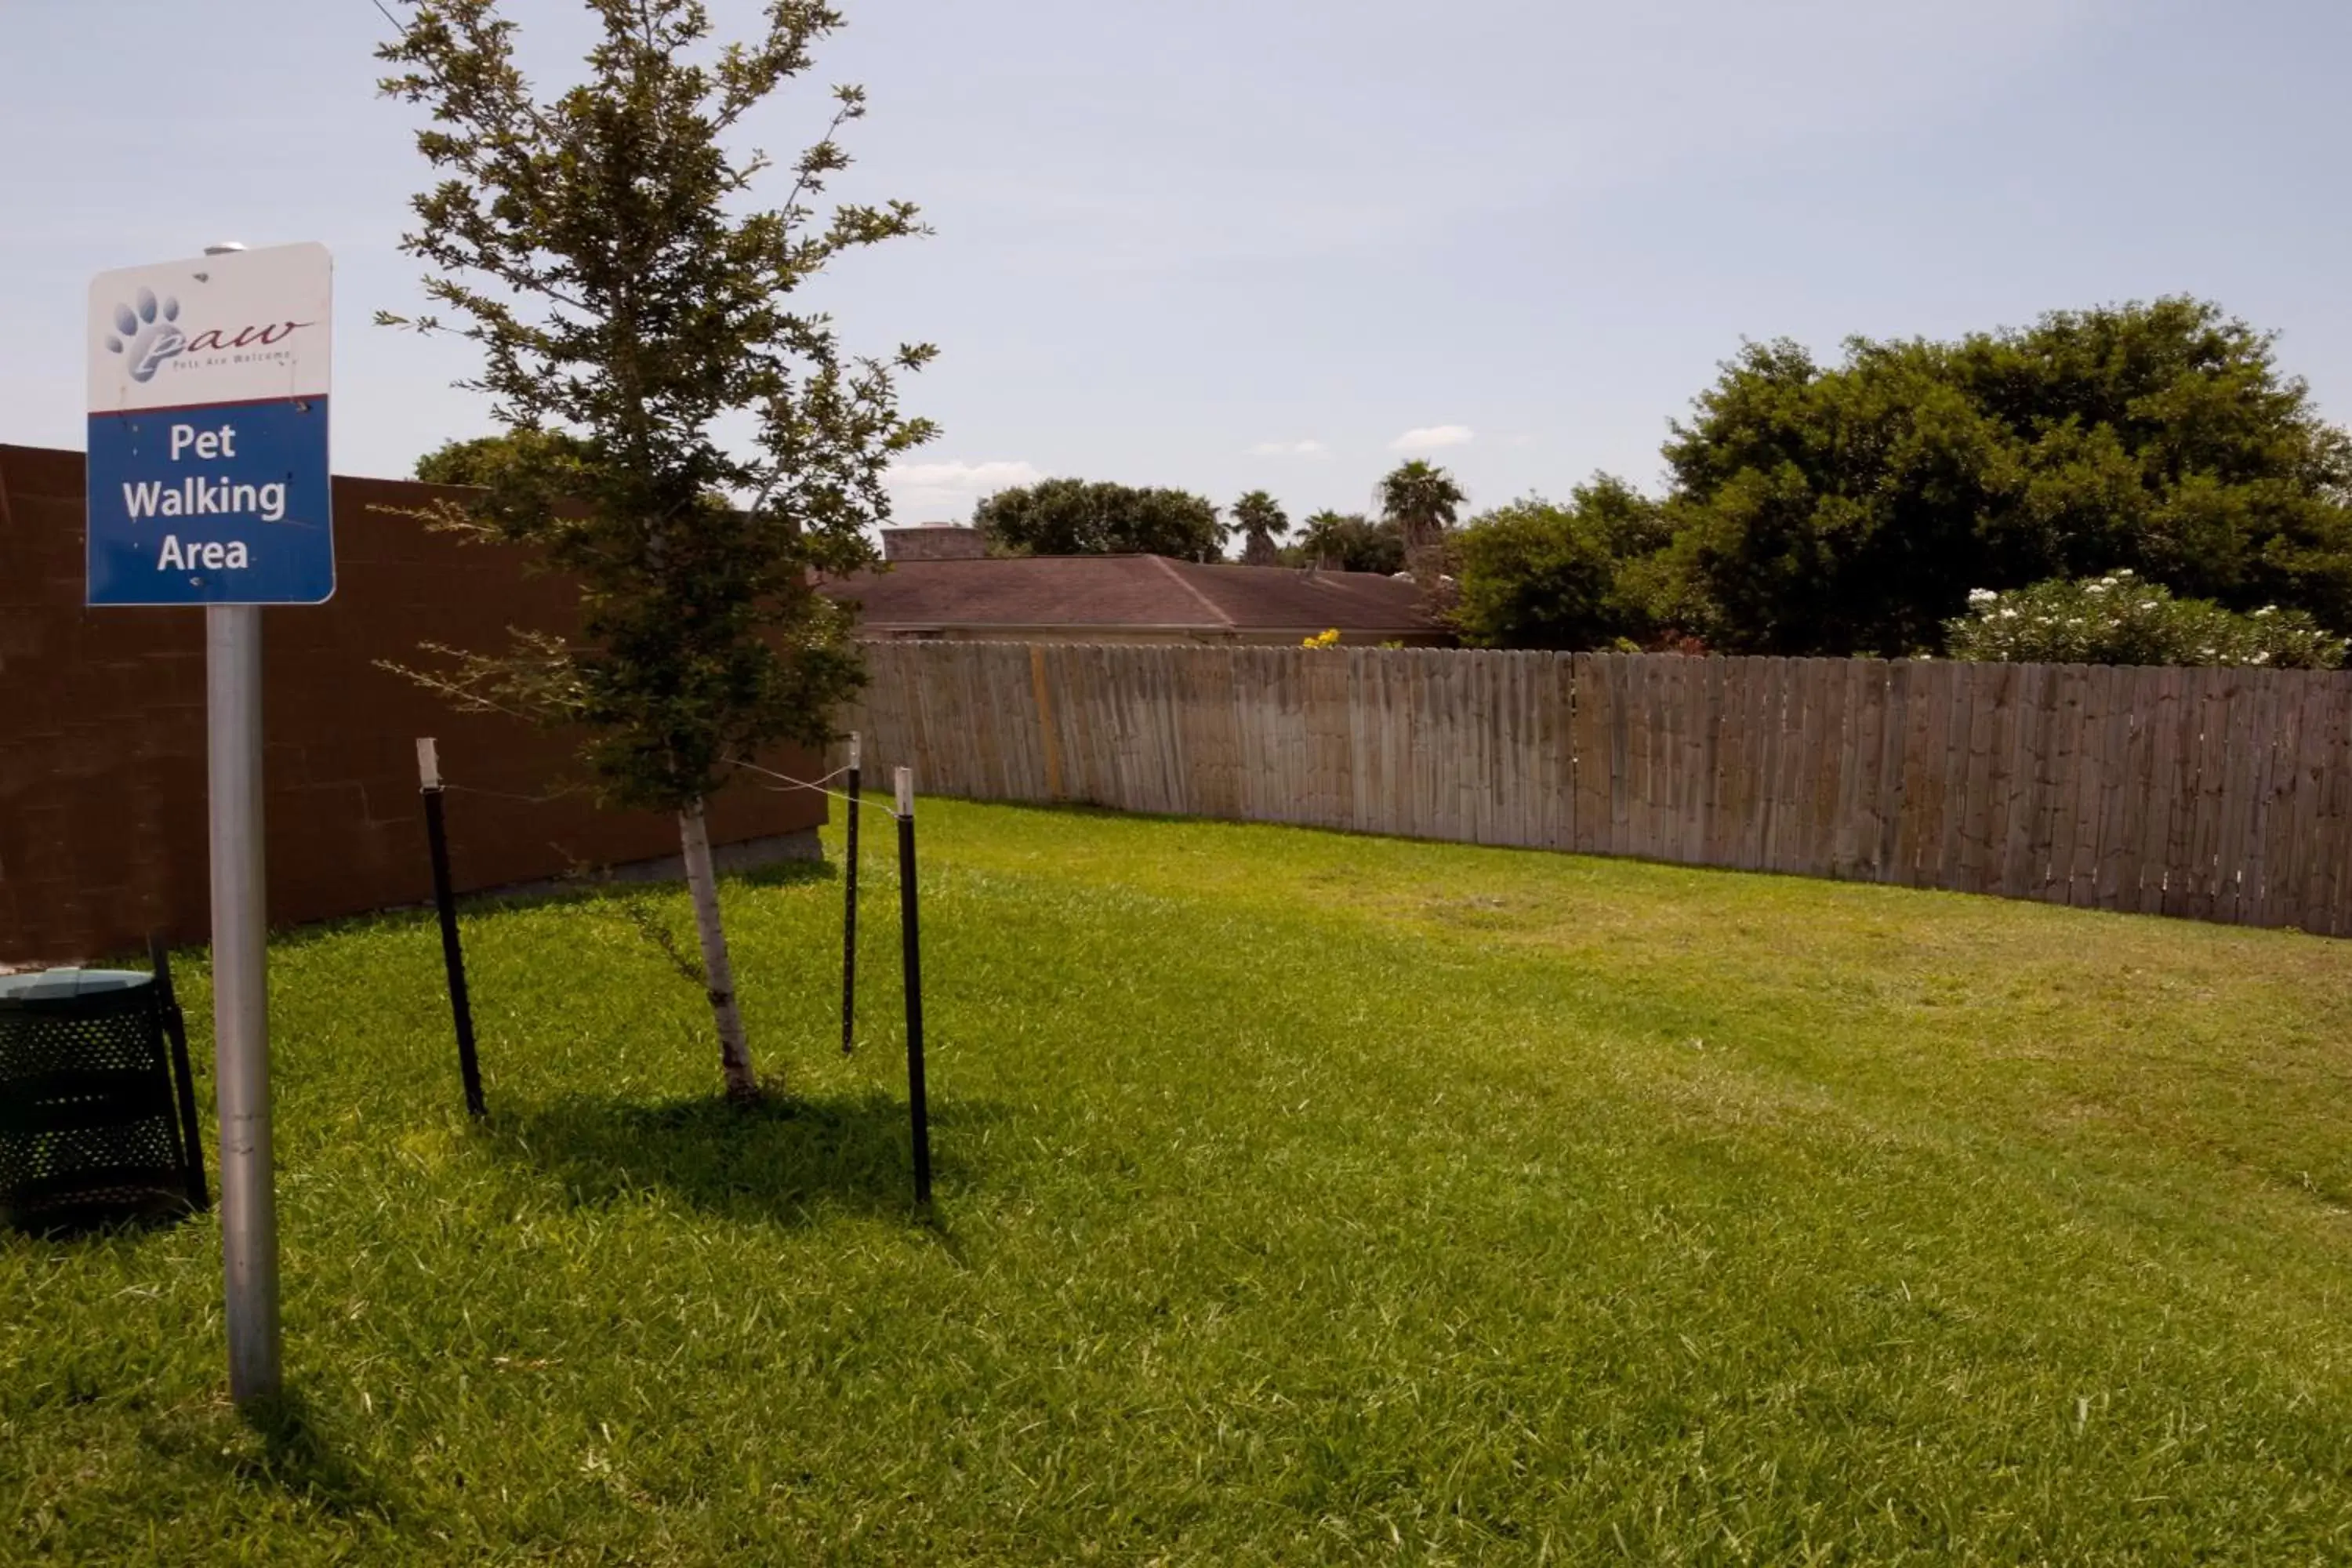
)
(1845, 509)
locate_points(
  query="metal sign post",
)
(209, 381)
(241, 997)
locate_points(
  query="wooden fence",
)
(2217, 795)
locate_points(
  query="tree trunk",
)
(718, 974)
(1424, 558)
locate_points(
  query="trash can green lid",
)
(59, 984)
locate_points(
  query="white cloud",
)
(918, 491)
(1432, 438)
(1290, 450)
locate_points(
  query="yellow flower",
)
(1323, 640)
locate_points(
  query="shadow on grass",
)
(94, 1225)
(283, 1446)
(786, 874)
(587, 890)
(298, 1457)
(603, 886)
(779, 1161)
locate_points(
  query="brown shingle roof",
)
(1134, 592)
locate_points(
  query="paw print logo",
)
(148, 333)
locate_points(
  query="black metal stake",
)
(452, 953)
(912, 948)
(849, 910)
(175, 1030)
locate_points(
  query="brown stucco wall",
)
(102, 822)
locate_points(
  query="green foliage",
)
(1531, 577)
(1849, 509)
(488, 462)
(1260, 520)
(1538, 575)
(2121, 619)
(1348, 542)
(1874, 1225)
(603, 250)
(1075, 517)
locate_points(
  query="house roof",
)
(1131, 592)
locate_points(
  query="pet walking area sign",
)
(208, 385)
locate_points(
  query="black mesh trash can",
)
(97, 1115)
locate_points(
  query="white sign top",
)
(242, 327)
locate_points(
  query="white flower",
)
(1982, 595)
(2261, 658)
(2009, 614)
(2266, 610)
(2101, 586)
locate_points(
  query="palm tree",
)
(1423, 500)
(1260, 520)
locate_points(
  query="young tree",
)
(600, 249)
(1260, 520)
(1423, 500)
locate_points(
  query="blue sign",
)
(208, 383)
(220, 505)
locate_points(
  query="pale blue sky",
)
(1229, 243)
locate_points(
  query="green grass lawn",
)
(1302, 1198)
